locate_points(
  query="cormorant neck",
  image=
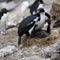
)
(38, 15)
(40, 6)
(42, 13)
(42, 16)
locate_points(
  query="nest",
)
(40, 41)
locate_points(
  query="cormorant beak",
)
(37, 12)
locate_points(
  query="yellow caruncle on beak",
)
(37, 11)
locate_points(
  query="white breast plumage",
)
(36, 19)
(41, 22)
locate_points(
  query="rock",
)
(57, 1)
(3, 0)
(48, 5)
(34, 58)
(56, 24)
(56, 53)
(8, 5)
(55, 11)
(18, 14)
(53, 51)
(25, 5)
(55, 56)
(7, 51)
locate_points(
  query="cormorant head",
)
(4, 10)
(41, 10)
(9, 1)
(40, 1)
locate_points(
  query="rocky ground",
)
(41, 49)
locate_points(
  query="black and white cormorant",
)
(44, 18)
(33, 23)
(35, 6)
(27, 24)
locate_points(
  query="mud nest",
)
(40, 41)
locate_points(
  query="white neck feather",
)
(40, 6)
(42, 16)
(42, 13)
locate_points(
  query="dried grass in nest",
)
(40, 42)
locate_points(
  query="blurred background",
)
(18, 10)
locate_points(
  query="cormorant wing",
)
(27, 21)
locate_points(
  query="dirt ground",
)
(10, 38)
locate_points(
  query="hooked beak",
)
(37, 12)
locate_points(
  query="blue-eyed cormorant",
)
(26, 24)
(36, 21)
(44, 17)
(35, 5)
